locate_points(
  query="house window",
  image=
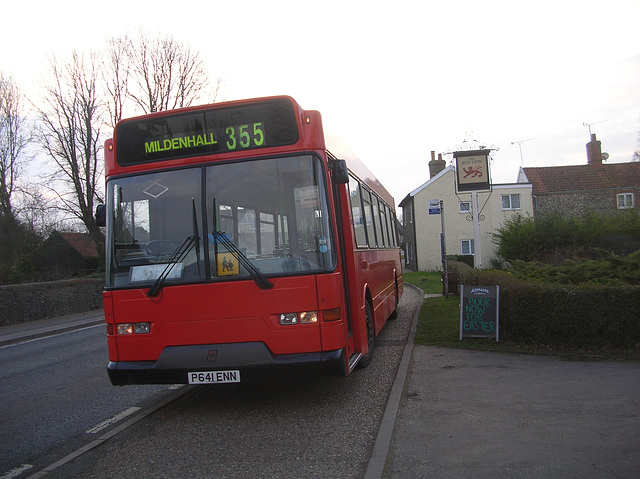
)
(625, 201)
(466, 247)
(511, 202)
(464, 207)
(408, 214)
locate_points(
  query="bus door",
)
(340, 178)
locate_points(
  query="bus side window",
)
(368, 216)
(383, 225)
(394, 230)
(357, 213)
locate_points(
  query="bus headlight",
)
(308, 317)
(133, 328)
(125, 328)
(141, 328)
(303, 317)
(288, 318)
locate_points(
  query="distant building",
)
(422, 220)
(584, 189)
(64, 255)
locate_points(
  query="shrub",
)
(553, 238)
(584, 315)
(603, 268)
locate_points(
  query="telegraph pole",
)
(443, 248)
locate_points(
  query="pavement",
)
(15, 333)
(455, 413)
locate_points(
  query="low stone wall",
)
(20, 303)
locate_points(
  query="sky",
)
(395, 79)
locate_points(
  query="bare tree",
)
(167, 74)
(154, 73)
(115, 75)
(69, 132)
(14, 138)
(37, 212)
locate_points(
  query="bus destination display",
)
(205, 132)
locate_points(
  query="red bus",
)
(237, 240)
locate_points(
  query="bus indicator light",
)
(332, 314)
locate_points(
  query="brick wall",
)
(581, 203)
(20, 303)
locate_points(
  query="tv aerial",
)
(519, 143)
(588, 125)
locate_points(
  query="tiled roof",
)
(83, 243)
(556, 179)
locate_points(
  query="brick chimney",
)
(594, 151)
(436, 166)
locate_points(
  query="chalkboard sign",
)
(479, 312)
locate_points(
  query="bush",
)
(551, 239)
(607, 269)
(585, 315)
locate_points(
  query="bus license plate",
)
(214, 377)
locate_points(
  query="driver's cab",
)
(155, 223)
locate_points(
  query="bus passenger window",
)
(247, 235)
(356, 212)
(383, 237)
(368, 216)
(267, 234)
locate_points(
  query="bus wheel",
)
(366, 359)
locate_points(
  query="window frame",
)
(511, 196)
(625, 205)
(471, 244)
(373, 220)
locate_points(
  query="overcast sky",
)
(395, 79)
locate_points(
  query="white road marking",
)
(118, 417)
(16, 471)
(52, 334)
(105, 437)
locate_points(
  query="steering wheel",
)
(161, 247)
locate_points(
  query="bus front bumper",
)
(176, 362)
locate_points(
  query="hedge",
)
(576, 315)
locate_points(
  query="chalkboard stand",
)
(479, 312)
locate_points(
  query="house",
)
(422, 218)
(63, 255)
(580, 190)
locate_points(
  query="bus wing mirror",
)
(101, 215)
(340, 172)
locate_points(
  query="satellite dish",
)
(605, 156)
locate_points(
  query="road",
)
(56, 389)
(53, 390)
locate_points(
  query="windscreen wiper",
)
(260, 279)
(223, 239)
(179, 256)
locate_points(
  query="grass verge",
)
(439, 325)
(430, 282)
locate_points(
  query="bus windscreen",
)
(207, 131)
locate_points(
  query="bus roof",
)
(338, 148)
(318, 135)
